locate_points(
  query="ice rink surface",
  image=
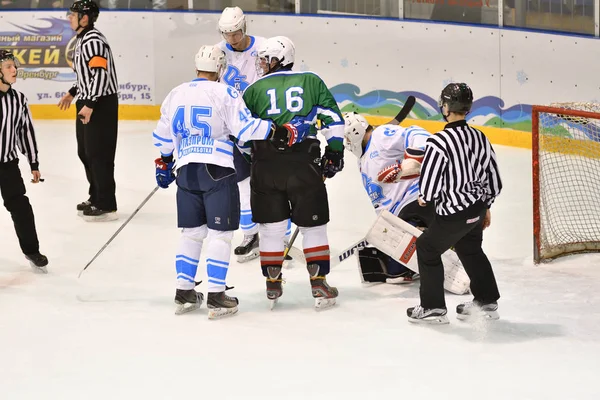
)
(113, 334)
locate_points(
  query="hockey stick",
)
(119, 230)
(345, 254)
(291, 242)
(406, 109)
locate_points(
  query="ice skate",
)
(420, 315)
(38, 262)
(274, 285)
(248, 250)
(220, 305)
(187, 300)
(325, 295)
(81, 207)
(93, 214)
(403, 278)
(475, 310)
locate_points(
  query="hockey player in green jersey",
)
(287, 182)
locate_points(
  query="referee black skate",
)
(17, 133)
(460, 175)
(97, 111)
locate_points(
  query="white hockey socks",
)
(188, 256)
(218, 253)
(248, 227)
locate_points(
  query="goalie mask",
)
(6, 55)
(458, 98)
(211, 59)
(278, 48)
(354, 131)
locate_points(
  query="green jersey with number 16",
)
(283, 96)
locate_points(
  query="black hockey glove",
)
(332, 162)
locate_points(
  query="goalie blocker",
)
(397, 239)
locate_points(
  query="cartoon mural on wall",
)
(486, 111)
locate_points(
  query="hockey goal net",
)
(566, 179)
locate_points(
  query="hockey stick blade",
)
(119, 230)
(406, 109)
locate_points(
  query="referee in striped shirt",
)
(460, 176)
(17, 134)
(97, 111)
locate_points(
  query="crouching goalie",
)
(389, 160)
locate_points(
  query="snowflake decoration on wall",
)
(303, 67)
(522, 77)
(344, 63)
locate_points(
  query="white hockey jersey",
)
(386, 147)
(242, 68)
(198, 121)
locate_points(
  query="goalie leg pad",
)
(397, 239)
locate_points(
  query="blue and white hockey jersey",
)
(386, 147)
(201, 119)
(242, 68)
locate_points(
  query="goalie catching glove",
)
(409, 168)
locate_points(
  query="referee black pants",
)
(12, 189)
(464, 232)
(96, 147)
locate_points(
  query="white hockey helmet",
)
(232, 20)
(279, 47)
(211, 59)
(354, 132)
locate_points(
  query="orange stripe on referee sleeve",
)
(98, 62)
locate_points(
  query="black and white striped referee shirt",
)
(459, 169)
(95, 68)
(16, 129)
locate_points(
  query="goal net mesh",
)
(567, 214)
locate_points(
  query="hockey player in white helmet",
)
(389, 159)
(201, 122)
(241, 71)
(290, 183)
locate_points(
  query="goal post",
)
(566, 179)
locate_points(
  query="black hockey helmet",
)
(458, 97)
(86, 7)
(6, 55)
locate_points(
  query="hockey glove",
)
(409, 168)
(288, 134)
(332, 162)
(164, 171)
(283, 137)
